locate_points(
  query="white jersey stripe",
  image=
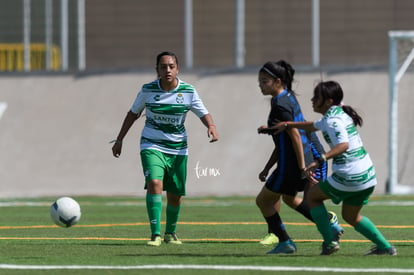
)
(165, 116)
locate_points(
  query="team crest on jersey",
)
(179, 99)
(157, 98)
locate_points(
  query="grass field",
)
(220, 236)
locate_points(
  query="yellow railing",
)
(12, 57)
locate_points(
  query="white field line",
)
(11, 203)
(203, 267)
(209, 267)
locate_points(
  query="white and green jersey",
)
(353, 170)
(165, 116)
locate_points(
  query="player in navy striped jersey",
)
(164, 142)
(293, 151)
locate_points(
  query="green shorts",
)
(357, 198)
(170, 169)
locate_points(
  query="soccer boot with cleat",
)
(171, 238)
(376, 251)
(286, 247)
(155, 240)
(269, 239)
(336, 228)
(328, 249)
(333, 218)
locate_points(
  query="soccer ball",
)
(65, 212)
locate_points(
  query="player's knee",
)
(259, 202)
(154, 186)
(291, 201)
(263, 203)
(350, 218)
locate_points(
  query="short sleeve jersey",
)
(353, 170)
(285, 107)
(166, 111)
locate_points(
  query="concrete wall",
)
(54, 134)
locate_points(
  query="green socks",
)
(154, 208)
(173, 212)
(371, 232)
(320, 216)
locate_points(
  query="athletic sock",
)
(304, 210)
(173, 212)
(368, 229)
(277, 227)
(321, 218)
(154, 208)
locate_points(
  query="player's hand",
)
(263, 130)
(212, 133)
(117, 148)
(263, 175)
(309, 172)
(278, 128)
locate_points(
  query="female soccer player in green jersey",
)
(353, 175)
(164, 142)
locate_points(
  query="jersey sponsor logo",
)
(166, 119)
(156, 97)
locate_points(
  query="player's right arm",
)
(270, 163)
(126, 125)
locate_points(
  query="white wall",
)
(54, 134)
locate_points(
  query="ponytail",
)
(353, 114)
(290, 72)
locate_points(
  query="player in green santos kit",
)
(353, 178)
(164, 142)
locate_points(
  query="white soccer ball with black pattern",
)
(65, 212)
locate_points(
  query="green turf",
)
(113, 232)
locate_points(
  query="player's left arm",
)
(295, 136)
(197, 107)
(211, 128)
(339, 144)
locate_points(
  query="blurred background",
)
(70, 69)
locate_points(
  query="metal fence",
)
(41, 35)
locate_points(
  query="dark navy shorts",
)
(289, 181)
